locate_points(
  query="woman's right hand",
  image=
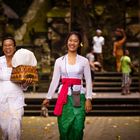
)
(46, 102)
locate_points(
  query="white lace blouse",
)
(79, 70)
(8, 89)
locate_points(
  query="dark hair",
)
(126, 51)
(8, 37)
(79, 37)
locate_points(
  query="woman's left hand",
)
(88, 105)
(27, 82)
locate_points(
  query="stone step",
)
(92, 113)
(113, 89)
(114, 79)
(112, 84)
(112, 73)
(102, 107)
(95, 107)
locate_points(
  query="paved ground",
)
(97, 95)
(96, 128)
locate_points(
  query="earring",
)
(81, 44)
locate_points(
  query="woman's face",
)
(8, 47)
(73, 43)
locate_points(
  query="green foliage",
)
(39, 23)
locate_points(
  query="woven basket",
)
(23, 72)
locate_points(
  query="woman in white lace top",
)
(73, 100)
(11, 94)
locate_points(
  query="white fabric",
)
(64, 70)
(98, 42)
(98, 31)
(10, 120)
(11, 103)
(24, 57)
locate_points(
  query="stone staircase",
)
(105, 83)
(111, 82)
(101, 107)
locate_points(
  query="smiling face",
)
(73, 43)
(8, 47)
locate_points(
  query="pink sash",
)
(62, 98)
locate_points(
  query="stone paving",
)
(96, 128)
(30, 95)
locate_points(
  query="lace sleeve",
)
(55, 80)
(87, 75)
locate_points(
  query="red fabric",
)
(62, 98)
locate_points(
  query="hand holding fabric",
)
(46, 102)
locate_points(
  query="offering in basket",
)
(24, 66)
